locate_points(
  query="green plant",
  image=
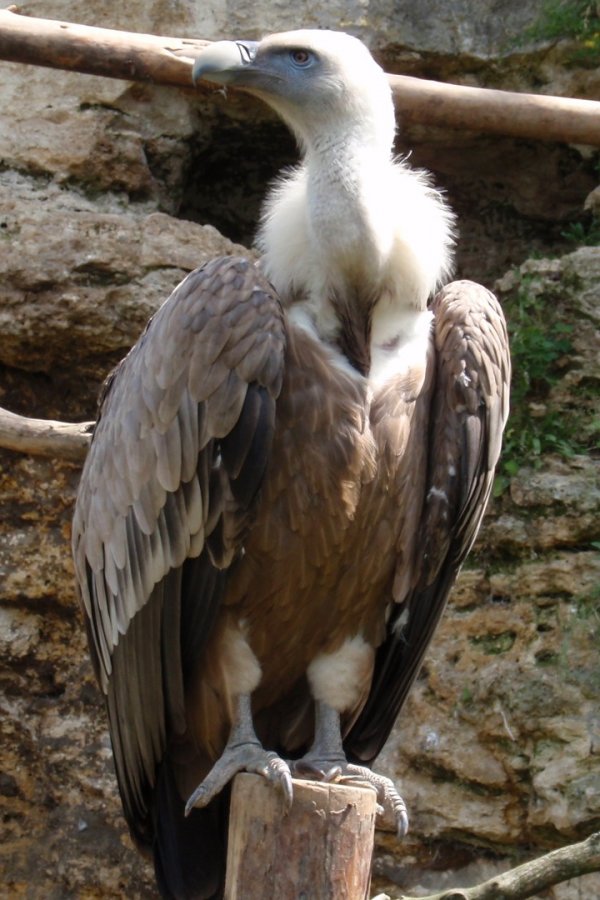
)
(586, 607)
(540, 346)
(578, 20)
(583, 234)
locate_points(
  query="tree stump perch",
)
(321, 849)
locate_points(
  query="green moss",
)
(580, 628)
(547, 658)
(494, 644)
(547, 747)
(575, 20)
(466, 697)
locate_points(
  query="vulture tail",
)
(189, 853)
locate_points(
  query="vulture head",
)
(321, 83)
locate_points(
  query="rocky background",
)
(109, 194)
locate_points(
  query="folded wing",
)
(166, 496)
(469, 410)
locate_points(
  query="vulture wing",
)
(166, 495)
(469, 410)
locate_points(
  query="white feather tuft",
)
(241, 669)
(339, 678)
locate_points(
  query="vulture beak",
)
(224, 62)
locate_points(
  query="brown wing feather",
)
(468, 413)
(166, 494)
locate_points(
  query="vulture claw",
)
(277, 771)
(307, 768)
(390, 803)
(246, 757)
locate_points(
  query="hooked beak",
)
(224, 61)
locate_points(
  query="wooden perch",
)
(43, 437)
(168, 60)
(321, 848)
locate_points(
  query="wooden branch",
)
(321, 848)
(532, 877)
(97, 51)
(533, 116)
(168, 60)
(43, 437)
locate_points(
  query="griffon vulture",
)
(287, 472)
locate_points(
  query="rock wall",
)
(498, 750)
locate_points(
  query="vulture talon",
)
(277, 771)
(246, 757)
(315, 770)
(390, 803)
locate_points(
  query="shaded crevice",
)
(228, 173)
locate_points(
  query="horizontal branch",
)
(97, 51)
(532, 116)
(168, 61)
(532, 877)
(44, 437)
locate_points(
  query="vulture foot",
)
(390, 806)
(243, 753)
(246, 757)
(326, 761)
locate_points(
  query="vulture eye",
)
(301, 58)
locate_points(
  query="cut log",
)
(321, 848)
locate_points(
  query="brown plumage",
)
(287, 472)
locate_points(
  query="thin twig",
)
(168, 60)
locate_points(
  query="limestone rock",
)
(592, 201)
(567, 487)
(79, 278)
(573, 484)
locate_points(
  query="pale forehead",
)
(319, 40)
